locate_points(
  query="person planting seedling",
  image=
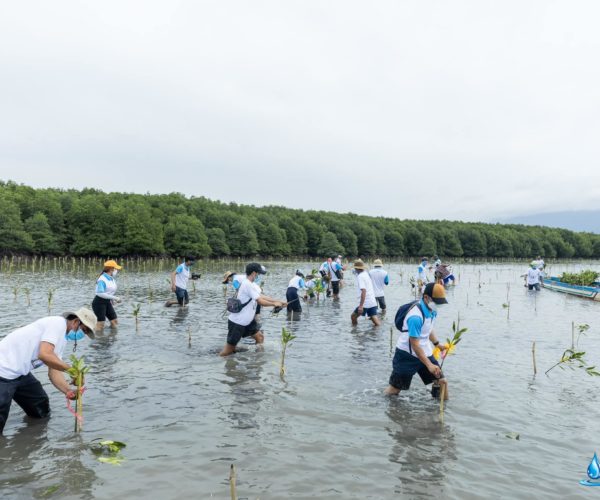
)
(39, 343)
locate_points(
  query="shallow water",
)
(326, 431)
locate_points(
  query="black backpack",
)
(235, 305)
(401, 314)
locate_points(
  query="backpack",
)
(401, 314)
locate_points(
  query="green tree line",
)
(93, 223)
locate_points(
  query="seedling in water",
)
(286, 338)
(50, 299)
(77, 373)
(136, 315)
(27, 295)
(574, 359)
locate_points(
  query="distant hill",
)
(582, 220)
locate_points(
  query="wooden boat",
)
(588, 292)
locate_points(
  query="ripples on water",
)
(326, 431)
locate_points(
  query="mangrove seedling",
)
(136, 315)
(77, 373)
(15, 291)
(50, 299)
(286, 338)
(574, 359)
(319, 288)
(27, 295)
(581, 329)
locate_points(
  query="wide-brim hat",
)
(359, 264)
(377, 263)
(437, 293)
(226, 276)
(112, 263)
(87, 317)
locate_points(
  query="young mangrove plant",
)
(77, 373)
(581, 329)
(136, 315)
(27, 292)
(574, 359)
(15, 291)
(286, 338)
(319, 288)
(50, 299)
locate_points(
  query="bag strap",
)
(417, 303)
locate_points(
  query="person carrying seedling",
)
(179, 280)
(39, 343)
(367, 305)
(414, 350)
(242, 322)
(106, 287)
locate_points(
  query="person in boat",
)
(414, 350)
(243, 323)
(533, 278)
(29, 347)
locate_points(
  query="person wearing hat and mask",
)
(39, 343)
(414, 350)
(243, 323)
(367, 305)
(106, 287)
(380, 279)
(291, 295)
(179, 280)
(533, 277)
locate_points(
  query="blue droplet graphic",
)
(594, 468)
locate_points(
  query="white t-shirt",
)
(297, 282)
(363, 282)
(182, 275)
(247, 291)
(533, 276)
(424, 326)
(378, 277)
(20, 349)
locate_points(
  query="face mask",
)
(258, 279)
(75, 335)
(433, 307)
(115, 272)
(354, 272)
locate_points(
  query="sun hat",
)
(226, 276)
(87, 317)
(359, 264)
(255, 267)
(437, 292)
(377, 263)
(112, 263)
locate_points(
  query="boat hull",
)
(587, 292)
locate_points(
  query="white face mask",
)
(115, 272)
(433, 307)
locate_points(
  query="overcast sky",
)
(439, 109)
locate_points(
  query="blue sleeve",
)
(301, 283)
(100, 287)
(387, 279)
(236, 284)
(179, 269)
(415, 324)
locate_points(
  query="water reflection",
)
(421, 445)
(243, 376)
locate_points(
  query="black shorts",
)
(182, 296)
(236, 332)
(28, 393)
(381, 302)
(405, 365)
(293, 300)
(336, 287)
(535, 286)
(103, 309)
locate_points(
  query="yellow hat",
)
(112, 263)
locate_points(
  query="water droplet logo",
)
(593, 472)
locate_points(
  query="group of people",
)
(442, 273)
(43, 341)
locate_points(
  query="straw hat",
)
(226, 276)
(377, 263)
(359, 264)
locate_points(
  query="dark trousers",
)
(28, 393)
